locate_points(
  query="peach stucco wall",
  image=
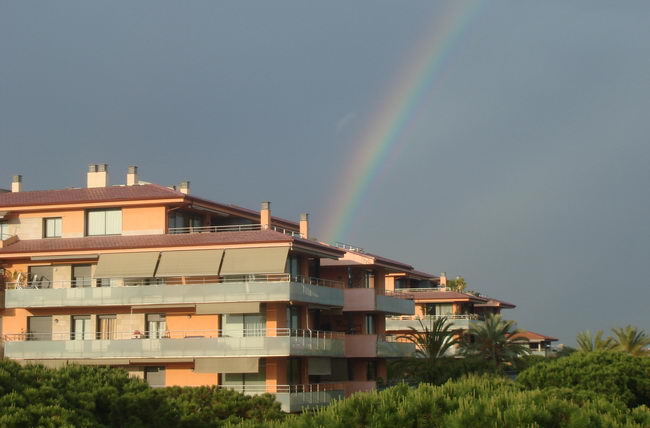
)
(144, 219)
(276, 373)
(184, 375)
(205, 325)
(361, 346)
(276, 317)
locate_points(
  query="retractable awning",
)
(189, 263)
(242, 261)
(228, 308)
(3, 214)
(226, 365)
(127, 265)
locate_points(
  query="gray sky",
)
(525, 169)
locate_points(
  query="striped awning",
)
(227, 365)
(243, 261)
(127, 265)
(228, 308)
(189, 263)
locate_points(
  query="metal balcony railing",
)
(306, 388)
(231, 228)
(152, 282)
(434, 317)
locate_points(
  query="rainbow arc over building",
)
(382, 135)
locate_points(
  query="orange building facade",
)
(180, 290)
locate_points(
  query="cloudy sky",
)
(525, 165)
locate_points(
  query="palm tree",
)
(631, 340)
(589, 343)
(432, 343)
(495, 339)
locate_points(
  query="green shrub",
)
(82, 396)
(474, 401)
(615, 374)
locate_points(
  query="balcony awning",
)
(189, 263)
(226, 365)
(127, 265)
(228, 308)
(242, 261)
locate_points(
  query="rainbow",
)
(381, 136)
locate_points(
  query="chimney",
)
(304, 225)
(132, 176)
(184, 187)
(97, 175)
(265, 215)
(17, 183)
(443, 279)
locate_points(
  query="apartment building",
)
(181, 290)
(433, 300)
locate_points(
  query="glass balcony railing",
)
(404, 323)
(249, 288)
(176, 344)
(295, 398)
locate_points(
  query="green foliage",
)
(615, 374)
(471, 402)
(81, 396)
(587, 342)
(631, 340)
(203, 407)
(432, 342)
(494, 339)
(458, 284)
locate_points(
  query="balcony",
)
(374, 300)
(375, 345)
(178, 344)
(251, 288)
(405, 323)
(295, 398)
(231, 228)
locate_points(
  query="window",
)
(293, 265)
(155, 376)
(106, 327)
(156, 326)
(81, 328)
(4, 230)
(368, 279)
(41, 276)
(81, 276)
(293, 318)
(369, 324)
(104, 222)
(52, 227)
(371, 370)
(244, 325)
(39, 328)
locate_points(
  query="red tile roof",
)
(98, 243)
(428, 294)
(534, 337)
(97, 194)
(496, 303)
(117, 193)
